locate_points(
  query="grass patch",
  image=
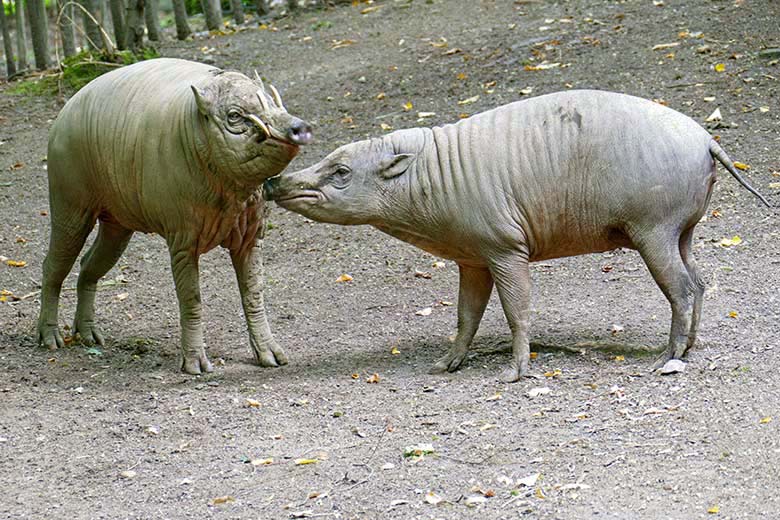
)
(78, 70)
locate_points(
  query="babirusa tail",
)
(718, 153)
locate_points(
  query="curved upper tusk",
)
(259, 124)
(260, 80)
(277, 98)
(263, 101)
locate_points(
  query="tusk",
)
(263, 102)
(278, 98)
(259, 124)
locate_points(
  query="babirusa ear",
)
(395, 165)
(202, 99)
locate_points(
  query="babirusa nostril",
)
(300, 132)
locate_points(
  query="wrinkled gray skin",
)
(558, 175)
(175, 148)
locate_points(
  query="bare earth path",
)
(117, 433)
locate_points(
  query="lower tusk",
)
(260, 125)
(277, 98)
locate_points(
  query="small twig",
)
(684, 85)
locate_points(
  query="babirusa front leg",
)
(476, 284)
(248, 264)
(513, 282)
(184, 264)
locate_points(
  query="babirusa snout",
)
(299, 132)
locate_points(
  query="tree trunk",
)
(40, 32)
(21, 35)
(213, 11)
(238, 11)
(135, 24)
(262, 8)
(8, 44)
(66, 28)
(152, 13)
(93, 33)
(118, 18)
(180, 15)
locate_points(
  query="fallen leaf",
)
(344, 278)
(468, 101)
(620, 358)
(715, 116)
(418, 450)
(385, 127)
(533, 355)
(728, 242)
(765, 420)
(774, 185)
(432, 498)
(422, 274)
(763, 110)
(733, 314)
(373, 378)
(423, 115)
(539, 494)
(529, 481)
(262, 462)
(128, 474)
(542, 66)
(380, 96)
(252, 403)
(439, 44)
(720, 67)
(475, 500)
(394, 351)
(438, 264)
(662, 46)
(553, 373)
(526, 91)
(424, 312)
(408, 106)
(494, 397)
(741, 166)
(370, 9)
(338, 44)
(15, 263)
(535, 392)
(454, 50)
(304, 462)
(221, 500)
(355, 376)
(714, 510)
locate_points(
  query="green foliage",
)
(80, 69)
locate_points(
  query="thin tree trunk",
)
(213, 11)
(152, 13)
(262, 7)
(93, 33)
(180, 15)
(8, 44)
(238, 11)
(118, 18)
(40, 32)
(66, 28)
(21, 35)
(135, 24)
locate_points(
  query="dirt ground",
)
(118, 432)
